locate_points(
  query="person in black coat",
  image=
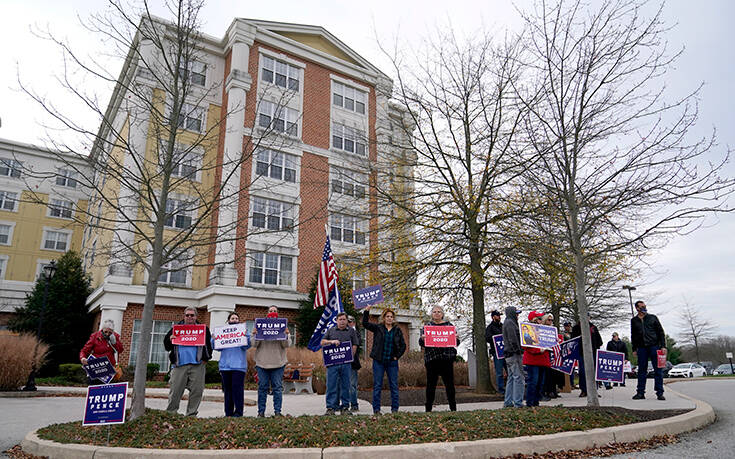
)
(647, 338)
(596, 344)
(617, 345)
(496, 328)
(388, 347)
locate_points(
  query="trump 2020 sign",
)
(105, 404)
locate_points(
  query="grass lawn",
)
(159, 429)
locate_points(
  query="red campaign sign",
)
(189, 335)
(440, 336)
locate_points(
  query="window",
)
(196, 73)
(348, 139)
(347, 228)
(177, 214)
(185, 162)
(349, 98)
(271, 269)
(56, 240)
(8, 200)
(67, 178)
(278, 118)
(280, 73)
(349, 183)
(176, 272)
(3, 265)
(6, 233)
(273, 215)
(191, 118)
(275, 164)
(10, 167)
(156, 353)
(60, 208)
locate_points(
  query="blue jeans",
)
(533, 379)
(499, 365)
(515, 384)
(338, 376)
(391, 370)
(582, 375)
(353, 388)
(270, 378)
(232, 386)
(644, 355)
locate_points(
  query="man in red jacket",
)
(534, 360)
(103, 343)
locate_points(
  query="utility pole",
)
(630, 289)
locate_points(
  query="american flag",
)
(557, 360)
(327, 276)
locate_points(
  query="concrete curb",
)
(701, 416)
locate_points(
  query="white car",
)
(687, 370)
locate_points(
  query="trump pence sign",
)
(440, 336)
(189, 335)
(105, 404)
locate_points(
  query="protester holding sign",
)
(534, 362)
(647, 338)
(270, 360)
(338, 375)
(596, 344)
(439, 361)
(233, 363)
(388, 347)
(188, 364)
(102, 343)
(495, 328)
(617, 345)
(550, 379)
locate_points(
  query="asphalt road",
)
(714, 441)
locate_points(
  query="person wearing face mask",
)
(388, 347)
(439, 361)
(647, 337)
(233, 363)
(102, 343)
(270, 360)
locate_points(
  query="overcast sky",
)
(699, 267)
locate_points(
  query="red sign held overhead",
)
(189, 335)
(440, 336)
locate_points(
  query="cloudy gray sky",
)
(699, 267)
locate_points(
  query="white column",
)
(218, 312)
(113, 313)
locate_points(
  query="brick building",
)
(326, 114)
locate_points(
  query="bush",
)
(16, 359)
(151, 371)
(72, 372)
(212, 374)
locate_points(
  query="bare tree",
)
(462, 117)
(158, 187)
(695, 328)
(617, 162)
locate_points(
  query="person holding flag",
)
(327, 295)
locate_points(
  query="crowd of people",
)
(522, 373)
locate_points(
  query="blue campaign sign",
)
(367, 296)
(499, 346)
(337, 355)
(609, 366)
(568, 356)
(105, 404)
(538, 336)
(99, 368)
(271, 328)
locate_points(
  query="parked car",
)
(665, 370)
(687, 370)
(709, 368)
(724, 369)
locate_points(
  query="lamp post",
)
(48, 273)
(630, 289)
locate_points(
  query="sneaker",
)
(660, 397)
(261, 415)
(278, 415)
(345, 413)
(582, 394)
(330, 412)
(639, 397)
(355, 408)
(545, 398)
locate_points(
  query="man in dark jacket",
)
(188, 367)
(596, 344)
(647, 337)
(617, 345)
(496, 328)
(515, 385)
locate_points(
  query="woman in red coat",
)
(534, 361)
(103, 343)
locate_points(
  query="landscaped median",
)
(475, 433)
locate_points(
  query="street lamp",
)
(48, 273)
(630, 289)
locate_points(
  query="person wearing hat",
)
(496, 328)
(596, 339)
(534, 361)
(513, 359)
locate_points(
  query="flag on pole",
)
(327, 320)
(327, 295)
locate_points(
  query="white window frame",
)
(347, 229)
(186, 156)
(349, 183)
(271, 113)
(66, 178)
(166, 362)
(263, 261)
(276, 165)
(60, 206)
(342, 93)
(11, 228)
(186, 270)
(278, 67)
(4, 261)
(46, 233)
(190, 112)
(271, 209)
(10, 167)
(195, 69)
(174, 203)
(343, 135)
(41, 263)
(4, 200)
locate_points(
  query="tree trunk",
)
(477, 278)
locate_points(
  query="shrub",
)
(212, 374)
(72, 372)
(151, 371)
(16, 359)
